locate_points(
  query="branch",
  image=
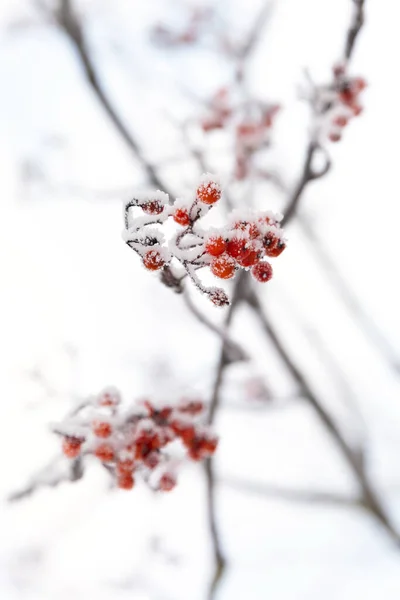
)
(355, 27)
(308, 174)
(43, 479)
(370, 497)
(290, 494)
(68, 21)
(234, 350)
(351, 301)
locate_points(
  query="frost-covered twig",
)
(244, 243)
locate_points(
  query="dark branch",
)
(355, 27)
(72, 27)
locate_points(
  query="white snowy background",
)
(78, 312)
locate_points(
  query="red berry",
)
(153, 207)
(167, 482)
(250, 228)
(236, 247)
(273, 245)
(102, 429)
(335, 136)
(105, 452)
(215, 245)
(357, 109)
(125, 465)
(219, 297)
(250, 256)
(71, 447)
(152, 460)
(209, 192)
(359, 84)
(340, 121)
(181, 216)
(223, 266)
(153, 260)
(191, 407)
(262, 272)
(125, 481)
(109, 398)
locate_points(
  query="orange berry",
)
(102, 429)
(153, 207)
(153, 261)
(181, 216)
(209, 192)
(215, 245)
(125, 481)
(105, 452)
(262, 272)
(223, 266)
(71, 447)
(340, 121)
(167, 482)
(109, 398)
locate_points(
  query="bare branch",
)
(371, 499)
(49, 477)
(68, 21)
(355, 27)
(290, 494)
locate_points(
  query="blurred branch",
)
(308, 174)
(255, 33)
(69, 22)
(234, 350)
(354, 30)
(354, 459)
(47, 477)
(289, 494)
(351, 301)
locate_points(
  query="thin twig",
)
(356, 463)
(69, 22)
(354, 30)
(289, 494)
(367, 324)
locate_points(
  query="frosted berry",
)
(105, 452)
(153, 207)
(181, 216)
(273, 245)
(262, 272)
(153, 261)
(71, 447)
(236, 247)
(209, 192)
(250, 228)
(215, 246)
(223, 266)
(250, 256)
(102, 429)
(125, 481)
(335, 136)
(167, 482)
(340, 121)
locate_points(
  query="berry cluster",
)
(197, 24)
(250, 123)
(139, 440)
(244, 243)
(340, 102)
